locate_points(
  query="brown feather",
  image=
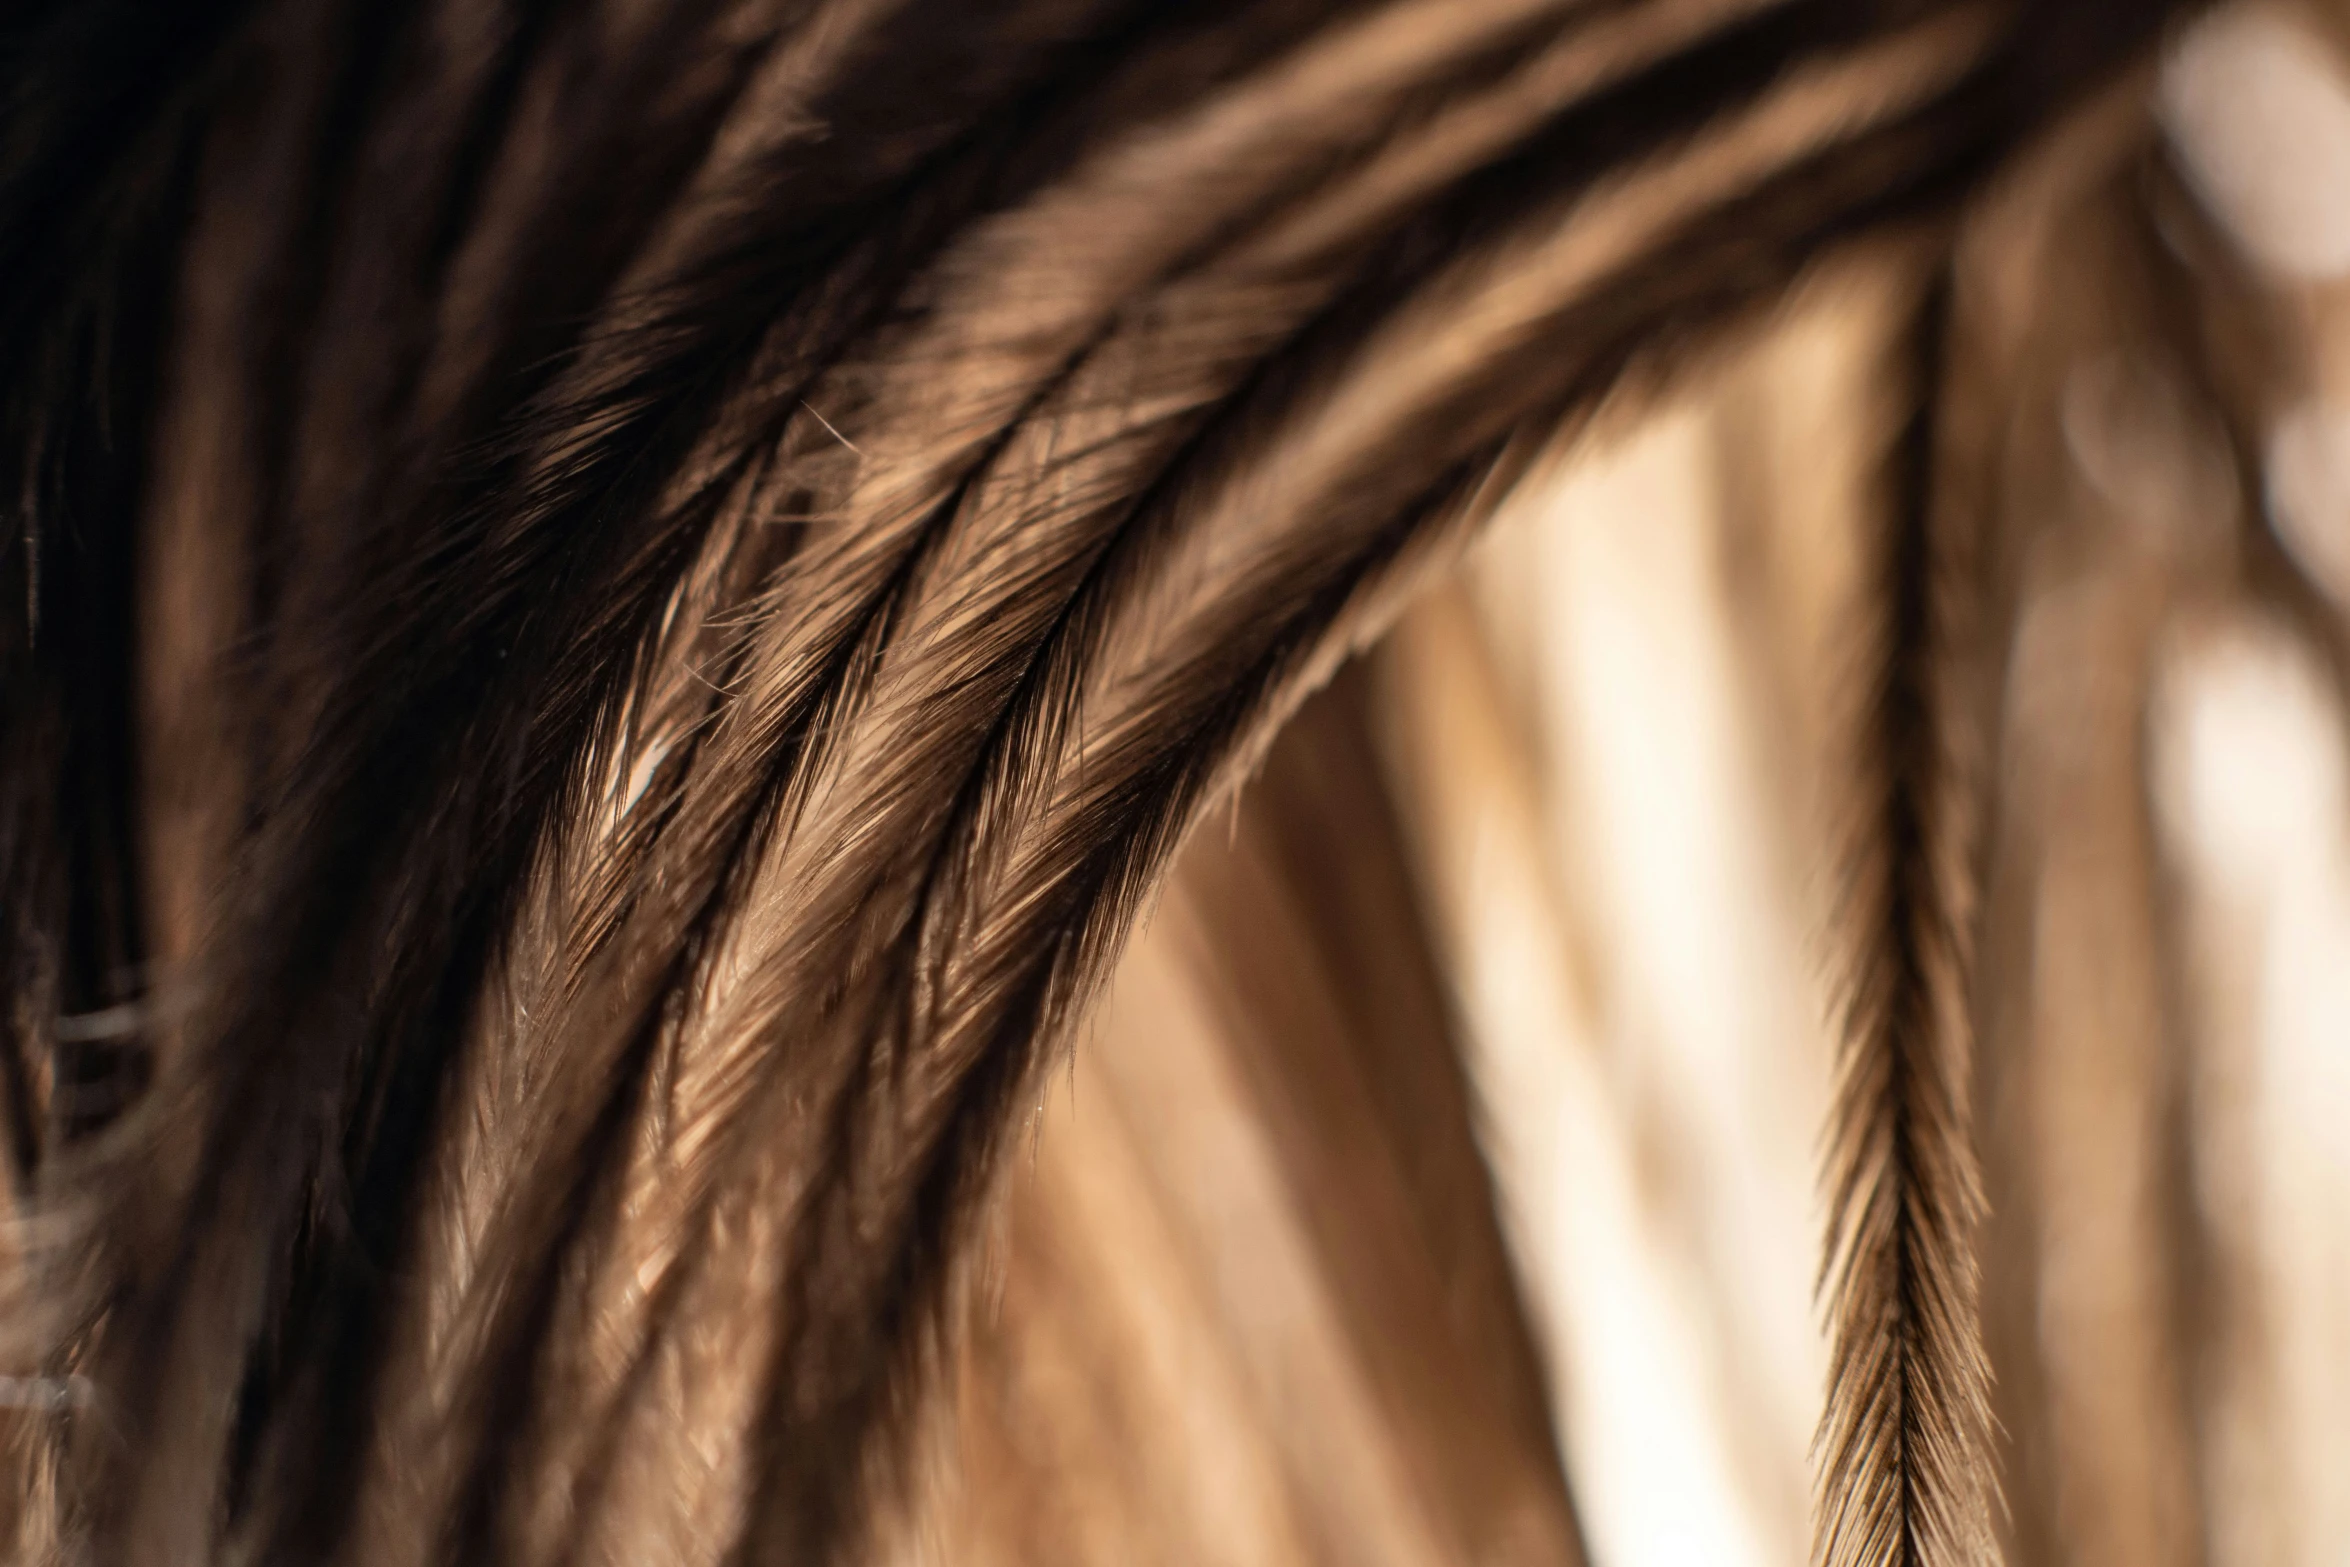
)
(746, 535)
(1902, 1441)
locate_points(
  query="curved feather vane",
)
(755, 528)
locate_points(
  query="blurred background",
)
(1439, 1183)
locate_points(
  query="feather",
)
(1260, 1202)
(767, 527)
(1902, 1441)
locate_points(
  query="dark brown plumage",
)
(623, 606)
